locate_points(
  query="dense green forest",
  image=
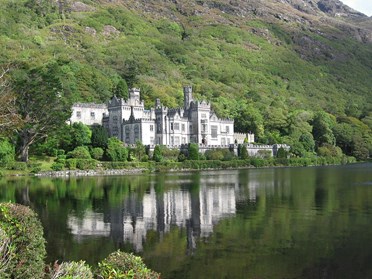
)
(300, 79)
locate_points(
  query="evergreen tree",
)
(99, 136)
(157, 157)
(193, 151)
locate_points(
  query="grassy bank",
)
(36, 167)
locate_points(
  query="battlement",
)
(90, 105)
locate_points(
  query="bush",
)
(116, 151)
(124, 265)
(6, 252)
(214, 154)
(157, 156)
(71, 164)
(193, 151)
(80, 152)
(70, 270)
(97, 153)
(86, 164)
(57, 166)
(7, 152)
(34, 167)
(18, 166)
(23, 228)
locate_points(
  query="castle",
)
(129, 121)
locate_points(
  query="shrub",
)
(7, 152)
(193, 151)
(124, 265)
(24, 229)
(6, 252)
(80, 152)
(115, 150)
(97, 153)
(243, 152)
(214, 154)
(19, 166)
(57, 166)
(71, 164)
(157, 157)
(86, 164)
(34, 167)
(70, 270)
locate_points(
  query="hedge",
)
(25, 232)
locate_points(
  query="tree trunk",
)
(26, 141)
(24, 153)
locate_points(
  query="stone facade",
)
(88, 113)
(195, 122)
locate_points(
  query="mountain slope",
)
(269, 61)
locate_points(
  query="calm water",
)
(256, 223)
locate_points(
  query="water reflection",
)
(260, 223)
(197, 212)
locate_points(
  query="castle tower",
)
(134, 95)
(187, 96)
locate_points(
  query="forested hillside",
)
(290, 71)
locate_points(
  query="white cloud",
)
(364, 6)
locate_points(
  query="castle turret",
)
(187, 95)
(134, 94)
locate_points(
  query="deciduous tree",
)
(43, 102)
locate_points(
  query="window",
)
(115, 131)
(172, 126)
(223, 141)
(172, 140)
(152, 140)
(183, 127)
(151, 128)
(176, 126)
(183, 140)
(203, 115)
(136, 131)
(191, 131)
(228, 141)
(78, 114)
(227, 129)
(214, 131)
(177, 140)
(92, 115)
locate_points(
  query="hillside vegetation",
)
(290, 71)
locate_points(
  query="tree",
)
(9, 118)
(157, 156)
(7, 152)
(43, 103)
(193, 151)
(121, 90)
(139, 150)
(322, 129)
(243, 154)
(99, 136)
(81, 134)
(249, 118)
(115, 150)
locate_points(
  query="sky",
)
(364, 6)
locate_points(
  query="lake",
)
(313, 222)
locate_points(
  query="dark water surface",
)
(311, 222)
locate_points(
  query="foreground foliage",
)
(24, 234)
(122, 265)
(22, 253)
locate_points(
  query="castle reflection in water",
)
(196, 211)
